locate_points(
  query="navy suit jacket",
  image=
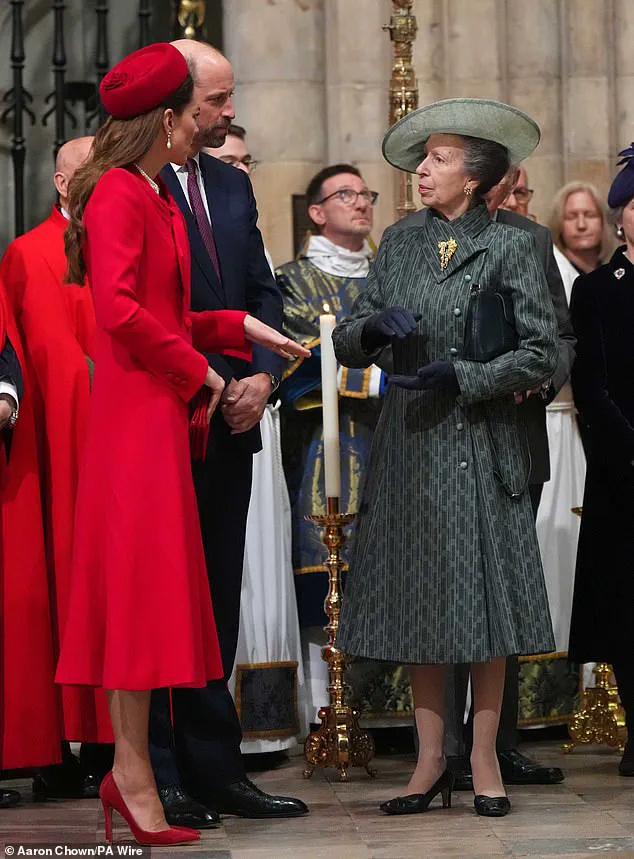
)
(247, 281)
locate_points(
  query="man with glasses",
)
(520, 194)
(331, 269)
(234, 150)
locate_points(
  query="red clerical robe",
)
(30, 729)
(57, 326)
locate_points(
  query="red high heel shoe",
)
(111, 799)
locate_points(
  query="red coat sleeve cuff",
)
(220, 331)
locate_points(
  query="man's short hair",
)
(313, 191)
(237, 131)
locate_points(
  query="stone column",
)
(623, 32)
(533, 83)
(277, 51)
(358, 63)
(587, 90)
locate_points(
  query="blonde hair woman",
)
(579, 226)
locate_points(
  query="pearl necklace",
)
(153, 184)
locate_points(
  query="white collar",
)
(64, 213)
(182, 168)
(333, 259)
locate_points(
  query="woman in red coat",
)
(140, 614)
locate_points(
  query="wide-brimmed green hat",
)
(476, 117)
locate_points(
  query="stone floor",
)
(591, 814)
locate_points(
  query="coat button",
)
(453, 351)
(457, 311)
(463, 465)
(467, 277)
(459, 427)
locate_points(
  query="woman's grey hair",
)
(486, 162)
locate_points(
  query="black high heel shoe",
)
(492, 806)
(414, 803)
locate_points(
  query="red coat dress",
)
(56, 322)
(140, 614)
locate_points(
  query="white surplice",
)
(557, 526)
(269, 628)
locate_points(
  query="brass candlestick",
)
(403, 90)
(339, 741)
(600, 718)
(191, 17)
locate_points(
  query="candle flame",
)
(326, 307)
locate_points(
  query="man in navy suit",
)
(196, 753)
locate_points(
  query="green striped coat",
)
(445, 566)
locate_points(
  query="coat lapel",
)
(198, 251)
(469, 234)
(219, 204)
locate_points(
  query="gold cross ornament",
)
(447, 250)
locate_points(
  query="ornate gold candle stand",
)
(339, 741)
(601, 718)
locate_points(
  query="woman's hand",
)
(268, 337)
(381, 327)
(436, 374)
(217, 385)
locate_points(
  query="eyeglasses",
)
(522, 194)
(249, 163)
(349, 196)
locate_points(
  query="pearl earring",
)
(169, 139)
(619, 233)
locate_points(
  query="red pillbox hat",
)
(143, 80)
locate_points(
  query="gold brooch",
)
(447, 250)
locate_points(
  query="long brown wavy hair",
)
(117, 143)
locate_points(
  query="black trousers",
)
(198, 744)
(458, 736)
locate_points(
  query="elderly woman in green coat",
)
(445, 567)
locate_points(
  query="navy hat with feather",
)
(622, 188)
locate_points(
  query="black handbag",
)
(489, 325)
(490, 331)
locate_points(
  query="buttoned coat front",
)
(445, 566)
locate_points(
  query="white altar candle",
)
(330, 399)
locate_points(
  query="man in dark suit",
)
(515, 767)
(195, 743)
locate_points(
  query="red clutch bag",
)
(198, 425)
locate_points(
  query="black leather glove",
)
(381, 327)
(437, 374)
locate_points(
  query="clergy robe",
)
(30, 728)
(57, 325)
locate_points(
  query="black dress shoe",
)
(518, 769)
(460, 767)
(492, 806)
(9, 798)
(245, 799)
(414, 803)
(50, 786)
(181, 810)
(626, 767)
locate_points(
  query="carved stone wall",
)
(568, 63)
(313, 77)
